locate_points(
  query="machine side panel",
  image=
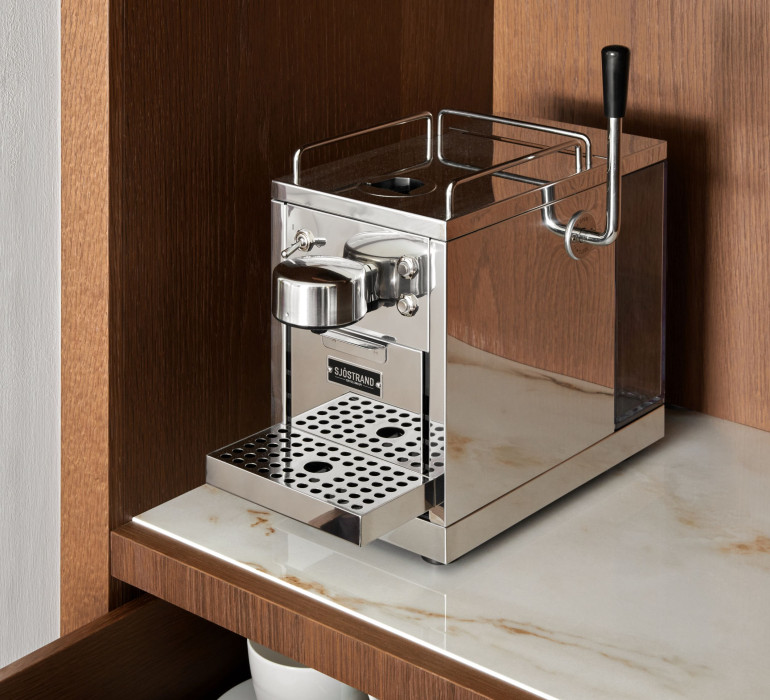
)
(530, 353)
(641, 272)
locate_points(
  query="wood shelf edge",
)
(345, 647)
(146, 648)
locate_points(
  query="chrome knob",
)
(402, 262)
(408, 266)
(407, 305)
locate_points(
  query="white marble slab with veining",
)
(651, 582)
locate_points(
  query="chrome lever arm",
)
(304, 241)
(615, 65)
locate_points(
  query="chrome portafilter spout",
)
(321, 292)
(615, 67)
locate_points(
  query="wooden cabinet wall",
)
(175, 117)
(700, 78)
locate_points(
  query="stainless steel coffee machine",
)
(463, 331)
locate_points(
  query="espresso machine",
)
(463, 331)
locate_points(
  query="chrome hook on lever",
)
(615, 65)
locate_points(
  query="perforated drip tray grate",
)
(335, 488)
(376, 428)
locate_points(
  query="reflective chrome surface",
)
(305, 241)
(427, 116)
(320, 292)
(356, 346)
(615, 71)
(329, 292)
(385, 252)
(383, 321)
(508, 422)
(612, 225)
(548, 128)
(462, 345)
(407, 305)
(401, 370)
(408, 266)
(445, 544)
(376, 428)
(278, 374)
(469, 146)
(332, 487)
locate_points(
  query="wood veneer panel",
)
(208, 101)
(84, 331)
(170, 138)
(340, 645)
(447, 55)
(146, 649)
(700, 77)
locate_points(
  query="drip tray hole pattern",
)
(376, 428)
(341, 476)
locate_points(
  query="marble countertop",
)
(651, 581)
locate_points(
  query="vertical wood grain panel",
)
(84, 332)
(700, 78)
(175, 117)
(208, 102)
(446, 55)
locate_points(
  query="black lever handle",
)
(615, 62)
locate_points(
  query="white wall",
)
(29, 325)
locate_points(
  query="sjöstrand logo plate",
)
(355, 377)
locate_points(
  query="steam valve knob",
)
(304, 241)
(408, 267)
(407, 305)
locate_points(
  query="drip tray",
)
(332, 487)
(375, 428)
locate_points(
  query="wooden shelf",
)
(144, 649)
(342, 646)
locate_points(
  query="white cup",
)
(277, 677)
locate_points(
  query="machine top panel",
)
(469, 172)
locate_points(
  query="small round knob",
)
(407, 305)
(408, 266)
